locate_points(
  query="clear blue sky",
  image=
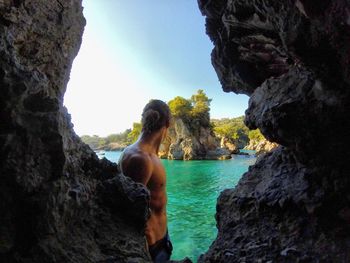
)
(137, 50)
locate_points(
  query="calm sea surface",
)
(193, 187)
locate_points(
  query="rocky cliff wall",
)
(184, 143)
(58, 202)
(292, 59)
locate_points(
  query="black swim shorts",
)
(161, 250)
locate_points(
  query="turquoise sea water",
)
(193, 187)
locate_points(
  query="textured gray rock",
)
(292, 58)
(271, 216)
(58, 201)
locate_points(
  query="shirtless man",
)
(140, 162)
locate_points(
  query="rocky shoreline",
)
(223, 152)
(263, 146)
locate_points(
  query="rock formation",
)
(113, 146)
(58, 202)
(262, 146)
(184, 143)
(293, 59)
(229, 144)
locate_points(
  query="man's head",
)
(155, 116)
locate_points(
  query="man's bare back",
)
(142, 164)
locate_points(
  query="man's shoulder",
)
(140, 158)
(136, 156)
(138, 165)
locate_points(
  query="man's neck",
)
(152, 141)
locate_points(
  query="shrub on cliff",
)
(195, 112)
(233, 129)
(201, 108)
(255, 135)
(180, 107)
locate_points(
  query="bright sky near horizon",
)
(134, 51)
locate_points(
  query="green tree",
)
(112, 138)
(102, 143)
(234, 129)
(225, 130)
(93, 141)
(194, 112)
(201, 107)
(180, 107)
(121, 138)
(135, 132)
(96, 142)
(255, 135)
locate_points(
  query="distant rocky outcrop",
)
(186, 143)
(113, 146)
(261, 146)
(229, 144)
(293, 59)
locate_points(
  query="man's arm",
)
(139, 168)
